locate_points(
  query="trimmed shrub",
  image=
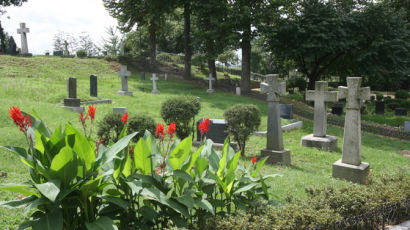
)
(81, 53)
(402, 94)
(301, 84)
(110, 127)
(242, 121)
(182, 111)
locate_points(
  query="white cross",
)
(273, 88)
(210, 79)
(154, 84)
(353, 93)
(23, 31)
(124, 73)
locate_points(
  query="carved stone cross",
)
(273, 88)
(210, 79)
(154, 79)
(320, 96)
(23, 31)
(124, 74)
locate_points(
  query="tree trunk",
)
(246, 61)
(153, 41)
(187, 38)
(3, 40)
(312, 78)
(212, 69)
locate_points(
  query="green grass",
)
(39, 83)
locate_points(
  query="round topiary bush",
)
(81, 53)
(110, 127)
(242, 121)
(182, 111)
(401, 94)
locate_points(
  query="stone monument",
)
(121, 110)
(23, 31)
(124, 74)
(274, 147)
(351, 167)
(12, 49)
(72, 102)
(154, 84)
(93, 86)
(320, 96)
(210, 79)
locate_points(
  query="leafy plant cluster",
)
(322, 207)
(298, 82)
(182, 111)
(79, 184)
(400, 100)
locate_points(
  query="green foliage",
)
(242, 120)
(402, 94)
(379, 97)
(393, 104)
(181, 111)
(166, 57)
(322, 207)
(297, 82)
(81, 53)
(140, 123)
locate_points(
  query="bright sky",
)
(46, 17)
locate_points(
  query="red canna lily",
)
(124, 118)
(82, 118)
(203, 126)
(171, 130)
(254, 160)
(23, 122)
(162, 164)
(159, 131)
(91, 111)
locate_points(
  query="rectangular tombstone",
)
(337, 108)
(400, 112)
(93, 86)
(72, 87)
(286, 111)
(142, 76)
(407, 126)
(217, 131)
(58, 53)
(379, 107)
(121, 110)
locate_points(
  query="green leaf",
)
(183, 175)
(135, 186)
(245, 188)
(24, 189)
(24, 157)
(223, 161)
(142, 157)
(148, 213)
(188, 166)
(89, 188)
(64, 165)
(180, 153)
(259, 166)
(204, 204)
(38, 124)
(127, 168)
(200, 166)
(18, 203)
(49, 189)
(52, 220)
(110, 153)
(117, 201)
(187, 200)
(157, 195)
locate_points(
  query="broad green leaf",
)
(188, 166)
(64, 165)
(117, 201)
(157, 195)
(24, 189)
(39, 145)
(52, 220)
(230, 177)
(135, 186)
(110, 153)
(214, 161)
(89, 188)
(148, 213)
(204, 204)
(18, 203)
(200, 166)
(128, 166)
(49, 189)
(245, 188)
(104, 223)
(25, 158)
(259, 166)
(186, 200)
(57, 135)
(223, 161)
(142, 157)
(38, 124)
(183, 175)
(180, 153)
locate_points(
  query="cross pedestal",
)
(124, 74)
(154, 79)
(274, 138)
(351, 167)
(320, 96)
(210, 79)
(23, 32)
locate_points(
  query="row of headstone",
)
(124, 74)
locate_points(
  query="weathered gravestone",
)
(12, 48)
(23, 31)
(320, 96)
(58, 53)
(217, 131)
(400, 112)
(274, 147)
(407, 126)
(286, 111)
(351, 167)
(379, 107)
(72, 102)
(124, 74)
(121, 110)
(337, 108)
(93, 86)
(154, 84)
(142, 76)
(238, 90)
(210, 79)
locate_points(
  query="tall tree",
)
(3, 4)
(187, 38)
(149, 13)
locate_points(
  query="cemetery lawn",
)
(39, 83)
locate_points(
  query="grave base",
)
(124, 93)
(210, 91)
(102, 101)
(325, 143)
(353, 173)
(155, 91)
(276, 156)
(72, 102)
(74, 109)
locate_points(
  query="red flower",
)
(254, 160)
(124, 118)
(82, 118)
(23, 122)
(91, 111)
(157, 173)
(204, 126)
(159, 132)
(171, 130)
(162, 165)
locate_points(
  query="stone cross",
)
(124, 74)
(352, 142)
(93, 86)
(274, 147)
(210, 79)
(23, 31)
(154, 84)
(320, 96)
